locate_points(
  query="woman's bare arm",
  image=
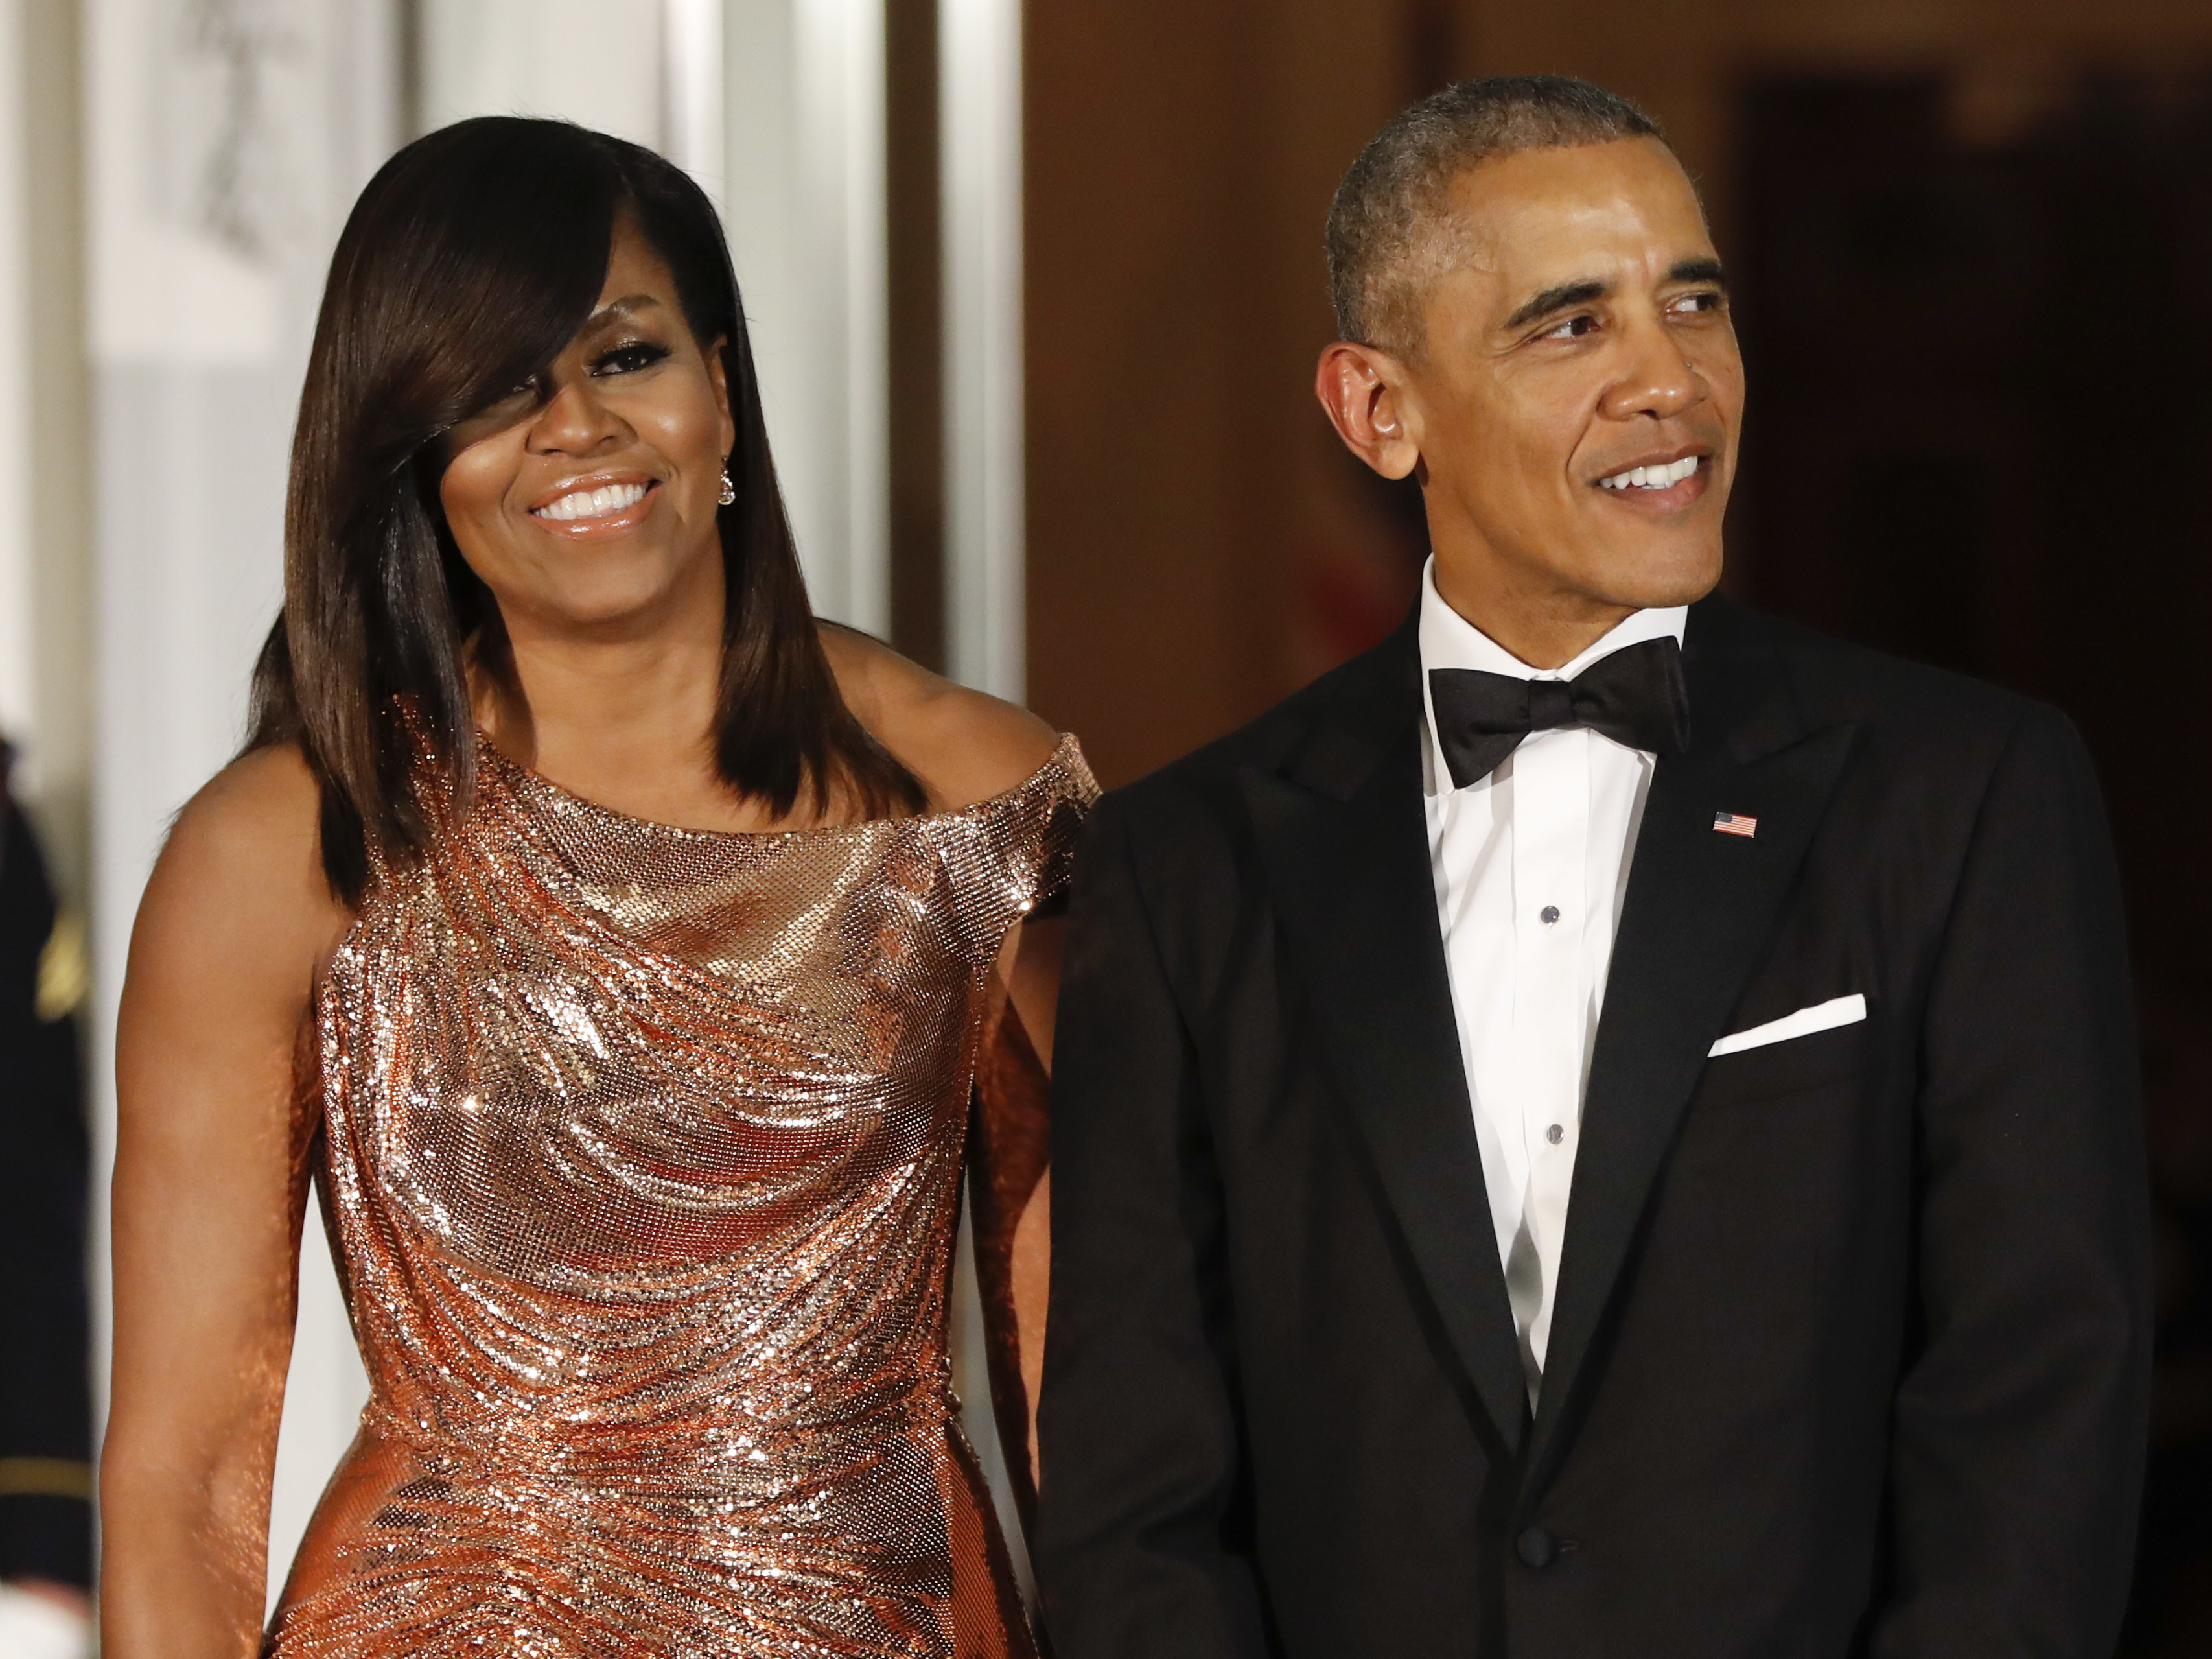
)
(966, 747)
(1033, 987)
(210, 1182)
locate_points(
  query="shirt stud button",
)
(1537, 1548)
(1555, 1134)
(1549, 914)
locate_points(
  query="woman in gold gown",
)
(623, 955)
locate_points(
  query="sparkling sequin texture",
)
(643, 1151)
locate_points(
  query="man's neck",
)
(1545, 629)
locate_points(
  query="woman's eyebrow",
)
(615, 310)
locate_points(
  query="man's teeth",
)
(593, 504)
(1652, 477)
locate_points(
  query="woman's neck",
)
(623, 717)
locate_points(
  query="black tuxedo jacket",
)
(1850, 1343)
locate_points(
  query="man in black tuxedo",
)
(1607, 1125)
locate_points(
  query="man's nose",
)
(575, 421)
(1658, 380)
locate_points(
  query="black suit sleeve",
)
(1141, 1509)
(2022, 1416)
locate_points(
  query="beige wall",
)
(1180, 159)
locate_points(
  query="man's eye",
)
(1705, 299)
(1573, 328)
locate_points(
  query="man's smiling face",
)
(1575, 402)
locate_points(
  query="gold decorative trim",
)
(45, 1477)
(64, 969)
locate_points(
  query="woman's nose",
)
(575, 420)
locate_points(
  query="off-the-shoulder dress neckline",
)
(1066, 755)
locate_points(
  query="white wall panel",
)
(599, 62)
(226, 140)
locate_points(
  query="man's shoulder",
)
(1834, 681)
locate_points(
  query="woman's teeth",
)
(1651, 478)
(594, 503)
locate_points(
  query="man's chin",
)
(1641, 582)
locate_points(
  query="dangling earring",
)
(729, 494)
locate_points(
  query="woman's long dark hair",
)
(470, 262)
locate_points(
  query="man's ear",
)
(1364, 392)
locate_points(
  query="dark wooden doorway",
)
(1981, 435)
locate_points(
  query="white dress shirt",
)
(1531, 865)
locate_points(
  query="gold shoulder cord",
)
(45, 1477)
(64, 972)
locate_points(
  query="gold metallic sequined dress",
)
(642, 1151)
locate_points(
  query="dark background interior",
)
(1981, 440)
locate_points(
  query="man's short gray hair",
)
(1388, 225)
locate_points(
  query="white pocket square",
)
(1821, 1016)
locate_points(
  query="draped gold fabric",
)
(642, 1149)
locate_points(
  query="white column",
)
(804, 202)
(18, 593)
(980, 95)
(225, 141)
(696, 132)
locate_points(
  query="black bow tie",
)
(1635, 696)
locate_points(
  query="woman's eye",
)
(628, 359)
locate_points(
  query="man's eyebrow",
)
(1559, 299)
(1704, 269)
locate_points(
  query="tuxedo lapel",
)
(1701, 907)
(1345, 844)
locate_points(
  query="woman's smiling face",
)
(588, 500)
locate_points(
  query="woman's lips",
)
(596, 506)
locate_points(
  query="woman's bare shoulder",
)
(240, 881)
(265, 803)
(966, 746)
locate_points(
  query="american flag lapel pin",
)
(1734, 823)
